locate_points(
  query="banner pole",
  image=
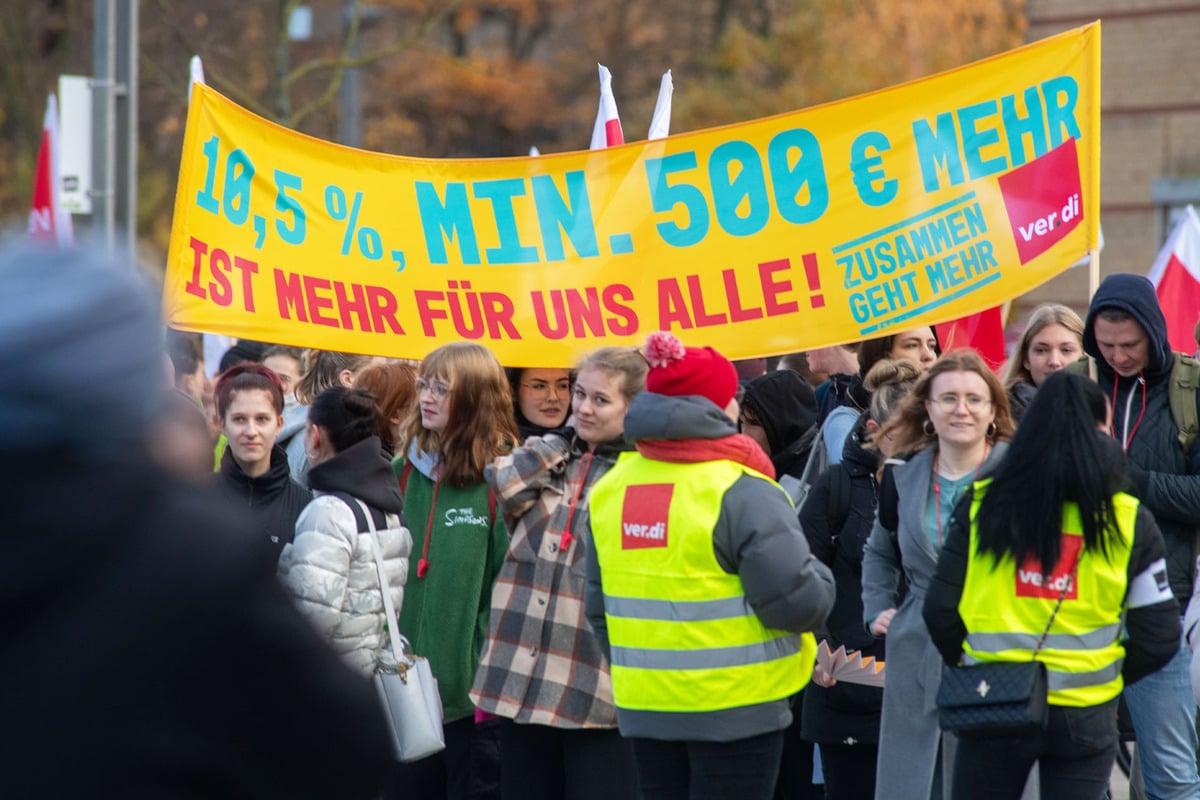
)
(1093, 285)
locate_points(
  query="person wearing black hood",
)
(254, 468)
(1126, 334)
(779, 411)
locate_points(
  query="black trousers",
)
(744, 769)
(468, 769)
(1075, 757)
(544, 763)
(849, 770)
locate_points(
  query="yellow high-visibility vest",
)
(1005, 608)
(683, 637)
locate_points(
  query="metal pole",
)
(350, 92)
(103, 123)
(126, 114)
(114, 127)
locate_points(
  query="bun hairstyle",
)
(247, 377)
(888, 382)
(346, 415)
(322, 369)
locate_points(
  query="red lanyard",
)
(423, 564)
(1128, 435)
(937, 489)
(586, 464)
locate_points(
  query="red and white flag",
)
(47, 219)
(660, 123)
(983, 332)
(1176, 279)
(607, 130)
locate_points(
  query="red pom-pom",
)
(663, 349)
(422, 568)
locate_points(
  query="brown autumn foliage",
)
(469, 78)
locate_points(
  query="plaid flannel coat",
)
(541, 662)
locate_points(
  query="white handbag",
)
(405, 683)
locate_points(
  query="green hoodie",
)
(445, 614)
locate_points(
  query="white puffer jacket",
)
(330, 569)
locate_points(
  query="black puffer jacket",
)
(274, 500)
(1165, 479)
(844, 713)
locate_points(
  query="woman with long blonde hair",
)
(1051, 341)
(462, 421)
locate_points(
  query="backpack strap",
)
(360, 519)
(1182, 396)
(405, 471)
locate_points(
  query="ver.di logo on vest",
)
(644, 515)
(1031, 582)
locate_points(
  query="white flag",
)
(660, 123)
(196, 75)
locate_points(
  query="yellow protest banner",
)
(908, 206)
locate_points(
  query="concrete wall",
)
(1150, 125)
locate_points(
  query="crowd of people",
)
(603, 562)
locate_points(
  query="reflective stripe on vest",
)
(1005, 608)
(682, 635)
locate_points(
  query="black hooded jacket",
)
(273, 498)
(786, 408)
(1165, 479)
(362, 471)
(844, 712)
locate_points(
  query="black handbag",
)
(998, 698)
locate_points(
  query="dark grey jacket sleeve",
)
(593, 601)
(758, 538)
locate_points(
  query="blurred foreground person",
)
(1052, 539)
(147, 650)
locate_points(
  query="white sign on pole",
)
(75, 141)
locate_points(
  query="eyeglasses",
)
(545, 387)
(948, 403)
(440, 390)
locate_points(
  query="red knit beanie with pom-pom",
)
(677, 370)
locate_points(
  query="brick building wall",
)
(1150, 128)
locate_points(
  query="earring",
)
(991, 430)
(927, 427)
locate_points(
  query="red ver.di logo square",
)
(1043, 200)
(1032, 583)
(644, 515)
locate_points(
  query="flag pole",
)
(1093, 285)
